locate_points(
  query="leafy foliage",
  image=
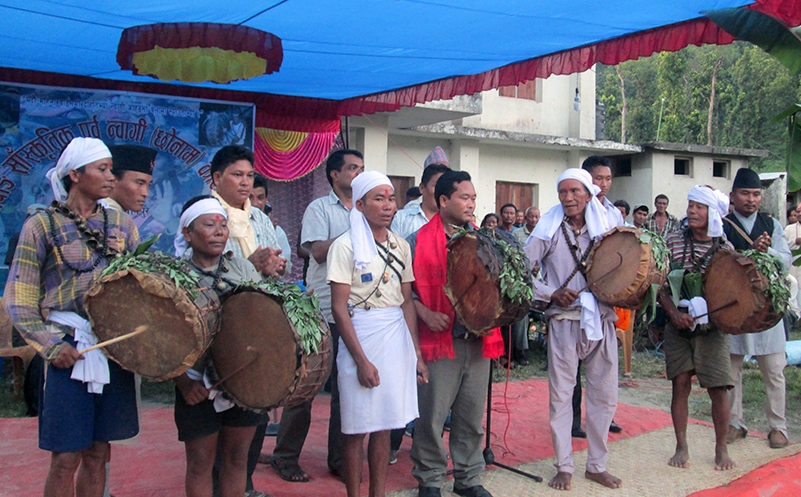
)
(659, 248)
(777, 292)
(751, 88)
(178, 270)
(302, 310)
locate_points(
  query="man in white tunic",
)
(370, 272)
(747, 228)
(581, 328)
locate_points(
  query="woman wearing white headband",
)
(61, 251)
(370, 271)
(692, 345)
(201, 414)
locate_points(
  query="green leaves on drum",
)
(514, 273)
(178, 270)
(777, 292)
(302, 310)
(658, 248)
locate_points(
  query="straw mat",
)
(641, 462)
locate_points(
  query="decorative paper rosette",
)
(287, 155)
(195, 52)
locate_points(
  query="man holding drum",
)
(694, 346)
(370, 271)
(87, 400)
(747, 228)
(581, 328)
(209, 425)
(458, 361)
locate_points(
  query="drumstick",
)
(724, 306)
(237, 370)
(137, 331)
(606, 273)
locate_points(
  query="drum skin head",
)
(622, 284)
(172, 343)
(253, 319)
(731, 276)
(471, 285)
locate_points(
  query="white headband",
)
(80, 152)
(364, 248)
(205, 206)
(595, 214)
(718, 204)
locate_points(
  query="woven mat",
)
(641, 462)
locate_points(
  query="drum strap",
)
(699, 262)
(575, 251)
(389, 258)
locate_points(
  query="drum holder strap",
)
(581, 264)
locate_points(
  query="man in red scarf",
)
(458, 361)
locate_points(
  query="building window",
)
(623, 167)
(682, 166)
(401, 184)
(522, 195)
(720, 169)
(526, 91)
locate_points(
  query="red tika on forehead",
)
(218, 217)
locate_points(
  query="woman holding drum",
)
(201, 414)
(370, 271)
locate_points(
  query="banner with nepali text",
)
(37, 123)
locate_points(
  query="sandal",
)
(291, 473)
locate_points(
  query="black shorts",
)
(201, 420)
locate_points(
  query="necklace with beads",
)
(95, 240)
(219, 283)
(575, 250)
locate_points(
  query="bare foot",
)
(604, 479)
(561, 481)
(681, 459)
(722, 460)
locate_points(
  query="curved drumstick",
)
(139, 329)
(606, 273)
(237, 370)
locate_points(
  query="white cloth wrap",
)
(590, 316)
(93, 368)
(205, 206)
(80, 152)
(387, 343)
(595, 215)
(364, 248)
(216, 396)
(696, 306)
(718, 203)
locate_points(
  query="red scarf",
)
(430, 271)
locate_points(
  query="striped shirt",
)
(39, 281)
(675, 244)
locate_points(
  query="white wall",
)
(552, 115)
(652, 174)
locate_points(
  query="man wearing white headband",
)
(747, 228)
(581, 328)
(209, 425)
(600, 168)
(87, 401)
(370, 272)
(694, 346)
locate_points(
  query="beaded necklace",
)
(96, 240)
(220, 284)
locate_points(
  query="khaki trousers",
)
(772, 368)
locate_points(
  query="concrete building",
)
(516, 141)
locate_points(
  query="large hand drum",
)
(734, 290)
(180, 324)
(473, 287)
(257, 358)
(621, 268)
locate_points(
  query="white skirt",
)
(387, 343)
